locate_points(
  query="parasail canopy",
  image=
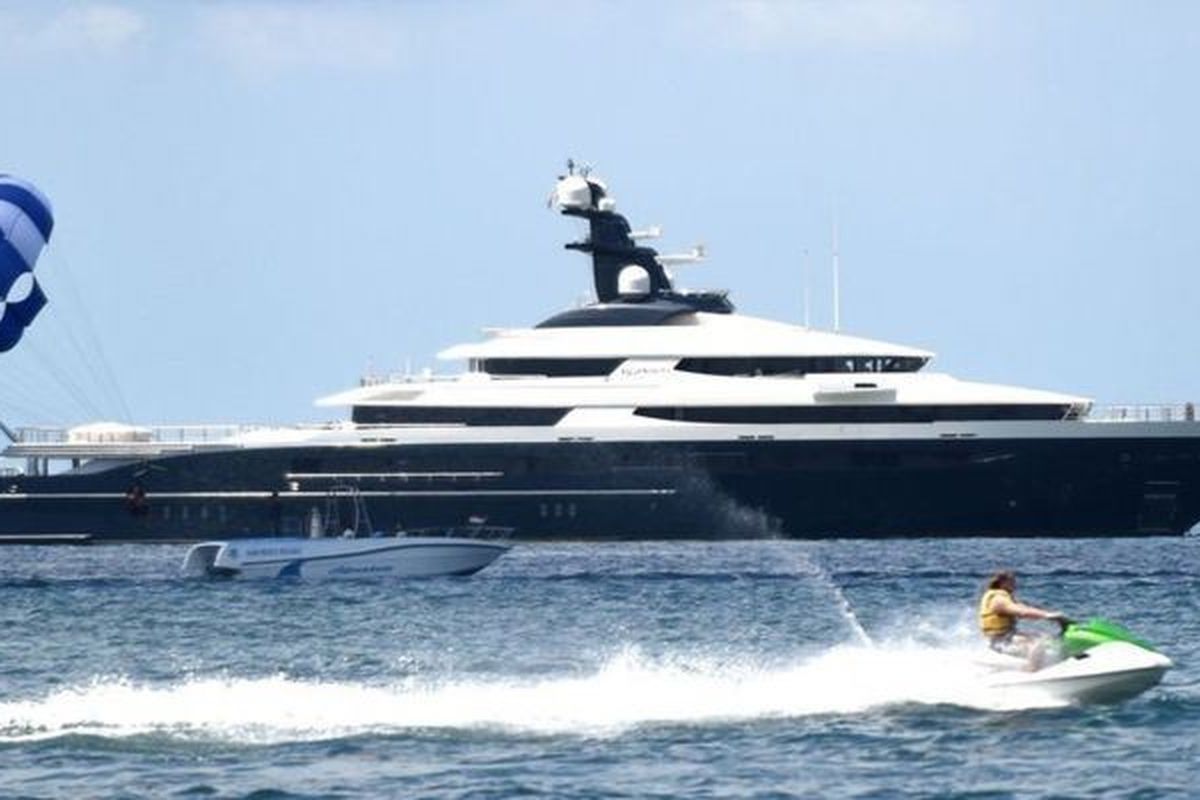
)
(25, 225)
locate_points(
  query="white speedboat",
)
(326, 557)
(360, 551)
(1098, 662)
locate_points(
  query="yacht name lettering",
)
(273, 551)
(656, 369)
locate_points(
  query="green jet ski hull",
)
(1095, 661)
(1079, 637)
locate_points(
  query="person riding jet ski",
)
(998, 615)
(1094, 661)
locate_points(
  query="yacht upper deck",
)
(122, 441)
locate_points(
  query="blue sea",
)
(754, 669)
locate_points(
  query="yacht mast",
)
(804, 279)
(837, 279)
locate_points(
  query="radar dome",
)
(581, 193)
(633, 281)
(572, 192)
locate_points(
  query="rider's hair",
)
(1002, 579)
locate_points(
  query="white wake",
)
(627, 691)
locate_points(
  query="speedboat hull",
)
(1107, 673)
(325, 558)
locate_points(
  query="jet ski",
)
(1095, 661)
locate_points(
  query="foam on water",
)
(628, 690)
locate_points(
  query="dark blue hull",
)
(592, 490)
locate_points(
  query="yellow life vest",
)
(993, 623)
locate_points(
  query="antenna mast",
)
(804, 281)
(837, 279)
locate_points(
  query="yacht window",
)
(456, 415)
(551, 367)
(853, 414)
(799, 365)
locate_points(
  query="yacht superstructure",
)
(651, 412)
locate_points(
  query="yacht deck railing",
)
(406, 377)
(42, 446)
(182, 436)
(156, 434)
(1163, 412)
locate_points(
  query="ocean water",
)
(758, 669)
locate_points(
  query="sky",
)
(258, 202)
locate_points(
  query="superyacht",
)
(651, 412)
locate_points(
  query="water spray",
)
(847, 610)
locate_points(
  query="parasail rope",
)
(96, 361)
(24, 390)
(62, 378)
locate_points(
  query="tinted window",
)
(852, 414)
(800, 365)
(453, 415)
(554, 367)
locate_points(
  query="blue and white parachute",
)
(25, 225)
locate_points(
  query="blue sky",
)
(258, 201)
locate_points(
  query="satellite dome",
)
(572, 192)
(633, 281)
(578, 191)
